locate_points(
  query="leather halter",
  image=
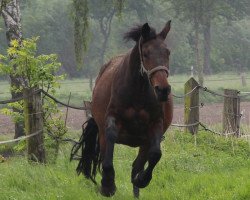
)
(155, 69)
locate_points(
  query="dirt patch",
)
(212, 114)
(209, 114)
(75, 119)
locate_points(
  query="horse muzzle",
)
(162, 93)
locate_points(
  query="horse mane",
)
(135, 33)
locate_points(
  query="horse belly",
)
(134, 129)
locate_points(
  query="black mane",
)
(135, 33)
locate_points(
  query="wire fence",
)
(240, 96)
(46, 94)
(205, 127)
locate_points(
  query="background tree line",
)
(213, 36)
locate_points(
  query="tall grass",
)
(201, 167)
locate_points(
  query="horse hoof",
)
(108, 191)
(142, 180)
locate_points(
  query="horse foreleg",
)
(138, 165)
(143, 178)
(108, 174)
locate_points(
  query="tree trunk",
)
(105, 26)
(104, 47)
(207, 46)
(199, 67)
(12, 19)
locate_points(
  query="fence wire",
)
(205, 89)
(62, 103)
(21, 138)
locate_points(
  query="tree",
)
(212, 9)
(54, 26)
(191, 11)
(104, 14)
(80, 15)
(208, 11)
(201, 13)
(10, 11)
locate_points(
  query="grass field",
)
(80, 90)
(202, 167)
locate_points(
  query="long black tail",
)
(90, 155)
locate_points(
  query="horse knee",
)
(111, 134)
(154, 156)
(111, 130)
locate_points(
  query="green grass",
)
(80, 90)
(202, 167)
(9, 146)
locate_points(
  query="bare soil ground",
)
(209, 114)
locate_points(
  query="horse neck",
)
(133, 74)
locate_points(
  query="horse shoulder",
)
(102, 90)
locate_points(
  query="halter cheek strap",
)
(155, 69)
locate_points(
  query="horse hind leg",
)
(108, 187)
(138, 166)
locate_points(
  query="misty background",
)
(223, 32)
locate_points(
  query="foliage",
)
(33, 71)
(232, 46)
(80, 13)
(55, 25)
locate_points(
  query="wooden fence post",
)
(33, 121)
(231, 112)
(191, 106)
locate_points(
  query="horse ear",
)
(145, 31)
(165, 30)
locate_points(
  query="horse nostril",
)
(162, 92)
(168, 89)
(157, 88)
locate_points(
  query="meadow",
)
(204, 166)
(198, 167)
(80, 90)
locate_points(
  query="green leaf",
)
(14, 43)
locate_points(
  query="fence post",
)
(231, 112)
(33, 121)
(191, 106)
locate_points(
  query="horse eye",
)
(145, 55)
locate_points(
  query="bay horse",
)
(131, 105)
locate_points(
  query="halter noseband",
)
(155, 69)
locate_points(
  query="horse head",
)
(154, 56)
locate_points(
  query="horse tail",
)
(90, 151)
